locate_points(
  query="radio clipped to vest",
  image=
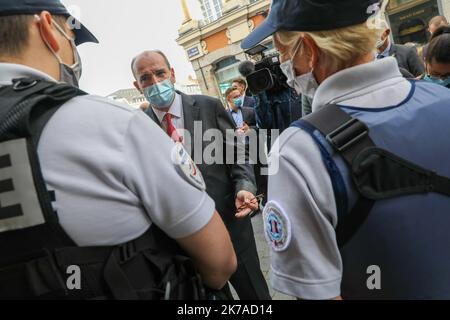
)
(38, 260)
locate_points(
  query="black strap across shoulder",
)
(376, 173)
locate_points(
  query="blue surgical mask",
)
(441, 82)
(238, 102)
(161, 94)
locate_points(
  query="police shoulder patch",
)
(186, 167)
(277, 226)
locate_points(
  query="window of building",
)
(226, 71)
(212, 10)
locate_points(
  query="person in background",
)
(241, 85)
(247, 116)
(407, 57)
(434, 24)
(243, 117)
(438, 58)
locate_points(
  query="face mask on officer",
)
(161, 94)
(68, 74)
(304, 84)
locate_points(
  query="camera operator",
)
(277, 105)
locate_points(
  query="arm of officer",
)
(214, 269)
(300, 220)
(175, 199)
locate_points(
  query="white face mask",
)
(304, 84)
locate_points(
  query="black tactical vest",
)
(38, 260)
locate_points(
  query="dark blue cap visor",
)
(266, 29)
(82, 34)
(55, 7)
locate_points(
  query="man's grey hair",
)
(133, 62)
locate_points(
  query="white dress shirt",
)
(176, 111)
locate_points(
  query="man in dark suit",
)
(245, 120)
(231, 186)
(407, 57)
(243, 117)
(241, 85)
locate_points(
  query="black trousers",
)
(248, 280)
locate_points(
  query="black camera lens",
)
(260, 81)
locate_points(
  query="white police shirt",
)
(305, 259)
(110, 167)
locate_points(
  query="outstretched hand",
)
(246, 203)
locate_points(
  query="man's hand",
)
(245, 128)
(246, 203)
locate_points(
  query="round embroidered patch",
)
(277, 226)
(187, 167)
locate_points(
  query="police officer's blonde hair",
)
(339, 48)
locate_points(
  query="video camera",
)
(266, 74)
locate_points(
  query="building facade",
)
(213, 47)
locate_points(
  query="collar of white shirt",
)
(176, 109)
(369, 85)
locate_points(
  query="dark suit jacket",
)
(249, 116)
(222, 181)
(249, 102)
(408, 59)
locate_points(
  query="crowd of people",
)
(362, 183)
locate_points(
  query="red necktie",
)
(171, 130)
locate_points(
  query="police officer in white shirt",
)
(327, 49)
(110, 166)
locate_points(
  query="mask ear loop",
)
(296, 49)
(72, 42)
(295, 54)
(38, 19)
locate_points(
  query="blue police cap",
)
(55, 7)
(312, 15)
